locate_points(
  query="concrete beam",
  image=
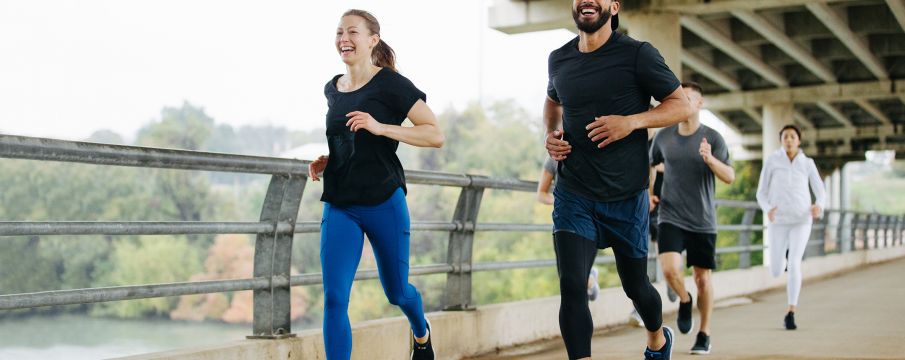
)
(898, 9)
(726, 121)
(701, 7)
(786, 44)
(806, 123)
(858, 46)
(834, 113)
(725, 44)
(516, 17)
(873, 111)
(808, 94)
(706, 69)
(758, 118)
(841, 134)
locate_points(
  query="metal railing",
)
(840, 231)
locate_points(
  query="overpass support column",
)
(775, 116)
(662, 30)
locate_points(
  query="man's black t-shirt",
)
(363, 168)
(619, 78)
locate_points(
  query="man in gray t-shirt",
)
(694, 155)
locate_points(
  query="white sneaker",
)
(594, 290)
(634, 319)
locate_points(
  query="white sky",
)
(70, 67)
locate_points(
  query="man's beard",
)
(592, 27)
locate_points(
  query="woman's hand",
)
(317, 167)
(772, 214)
(816, 211)
(359, 120)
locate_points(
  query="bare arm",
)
(674, 109)
(557, 148)
(722, 171)
(425, 133)
(653, 200)
(543, 187)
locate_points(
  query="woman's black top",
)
(363, 168)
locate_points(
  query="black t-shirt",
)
(619, 78)
(363, 168)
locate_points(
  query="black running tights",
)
(574, 259)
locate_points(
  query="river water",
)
(80, 337)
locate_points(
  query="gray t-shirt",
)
(688, 199)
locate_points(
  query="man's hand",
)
(815, 211)
(556, 146)
(610, 128)
(706, 151)
(653, 200)
(772, 214)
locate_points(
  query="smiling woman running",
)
(364, 183)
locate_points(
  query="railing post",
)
(854, 219)
(874, 222)
(273, 255)
(842, 242)
(824, 222)
(459, 253)
(744, 238)
(900, 229)
(897, 235)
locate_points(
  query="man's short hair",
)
(694, 86)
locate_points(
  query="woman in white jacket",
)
(783, 195)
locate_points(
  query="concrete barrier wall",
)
(493, 327)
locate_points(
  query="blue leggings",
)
(342, 230)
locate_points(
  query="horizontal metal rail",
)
(132, 292)
(20, 228)
(22, 147)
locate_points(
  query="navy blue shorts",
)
(622, 225)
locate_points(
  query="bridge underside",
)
(836, 68)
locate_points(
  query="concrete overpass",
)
(834, 67)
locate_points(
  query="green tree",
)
(147, 260)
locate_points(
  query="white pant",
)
(792, 237)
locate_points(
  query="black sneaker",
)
(423, 351)
(685, 320)
(665, 353)
(790, 321)
(701, 345)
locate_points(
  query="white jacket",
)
(784, 185)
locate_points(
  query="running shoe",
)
(790, 321)
(671, 294)
(701, 345)
(684, 320)
(665, 353)
(594, 290)
(634, 319)
(423, 351)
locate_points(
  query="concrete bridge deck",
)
(856, 315)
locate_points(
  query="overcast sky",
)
(70, 67)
